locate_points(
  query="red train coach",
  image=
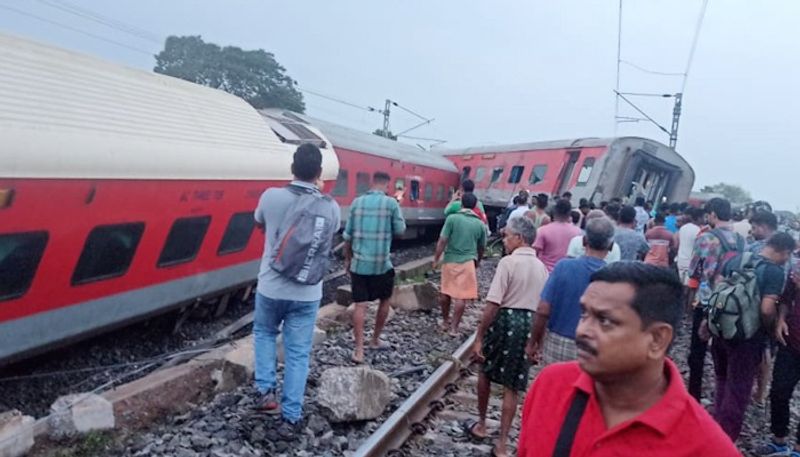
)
(593, 168)
(422, 180)
(122, 194)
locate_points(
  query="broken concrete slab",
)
(331, 315)
(79, 413)
(353, 393)
(242, 355)
(413, 269)
(163, 392)
(415, 297)
(16, 433)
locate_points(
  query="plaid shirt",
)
(375, 219)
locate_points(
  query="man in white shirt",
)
(686, 236)
(642, 216)
(521, 207)
(576, 244)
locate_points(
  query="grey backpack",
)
(303, 247)
(735, 304)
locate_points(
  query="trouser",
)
(735, 366)
(298, 319)
(785, 377)
(697, 355)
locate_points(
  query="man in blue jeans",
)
(280, 300)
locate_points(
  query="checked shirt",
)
(374, 220)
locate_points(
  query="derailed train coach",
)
(596, 169)
(123, 194)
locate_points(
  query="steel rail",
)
(409, 416)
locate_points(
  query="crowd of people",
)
(597, 295)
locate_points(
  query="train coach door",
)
(566, 172)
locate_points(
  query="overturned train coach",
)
(596, 169)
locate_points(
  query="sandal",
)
(469, 429)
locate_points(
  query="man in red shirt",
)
(661, 241)
(634, 400)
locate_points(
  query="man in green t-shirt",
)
(462, 241)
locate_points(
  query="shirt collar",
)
(665, 414)
(376, 191)
(307, 185)
(524, 250)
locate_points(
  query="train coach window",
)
(414, 190)
(537, 174)
(237, 235)
(108, 252)
(586, 171)
(340, 189)
(497, 172)
(480, 173)
(465, 173)
(440, 193)
(184, 240)
(20, 254)
(516, 174)
(362, 183)
(428, 192)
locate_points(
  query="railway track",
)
(429, 421)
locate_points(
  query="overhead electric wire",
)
(410, 112)
(619, 59)
(100, 19)
(697, 29)
(338, 100)
(74, 29)
(652, 72)
(642, 112)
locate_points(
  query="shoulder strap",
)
(567, 434)
(726, 247)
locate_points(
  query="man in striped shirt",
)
(375, 218)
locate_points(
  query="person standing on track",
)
(553, 239)
(283, 304)
(467, 187)
(661, 242)
(623, 397)
(632, 243)
(539, 212)
(375, 218)
(560, 308)
(499, 342)
(461, 241)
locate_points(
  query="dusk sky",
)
(501, 71)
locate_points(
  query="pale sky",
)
(494, 72)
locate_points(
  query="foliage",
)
(389, 135)
(253, 75)
(735, 193)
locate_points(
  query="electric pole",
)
(385, 113)
(676, 117)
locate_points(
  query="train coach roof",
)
(368, 143)
(532, 146)
(68, 115)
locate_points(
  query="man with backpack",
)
(742, 312)
(298, 223)
(712, 249)
(375, 218)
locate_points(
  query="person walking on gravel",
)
(560, 309)
(499, 342)
(786, 372)
(288, 302)
(623, 397)
(375, 218)
(461, 241)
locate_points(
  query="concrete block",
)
(79, 413)
(163, 392)
(331, 315)
(413, 269)
(16, 433)
(353, 393)
(415, 297)
(319, 337)
(242, 354)
(344, 295)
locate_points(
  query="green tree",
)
(253, 75)
(735, 193)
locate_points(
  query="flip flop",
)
(469, 429)
(382, 346)
(494, 451)
(356, 361)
